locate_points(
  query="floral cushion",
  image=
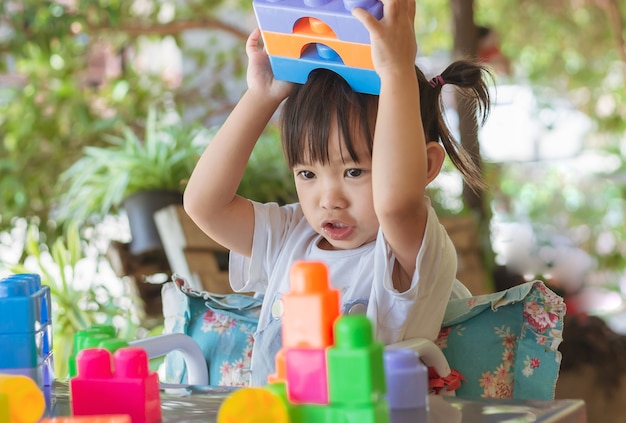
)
(505, 344)
(223, 326)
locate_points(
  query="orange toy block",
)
(281, 368)
(312, 306)
(309, 31)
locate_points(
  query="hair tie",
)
(437, 81)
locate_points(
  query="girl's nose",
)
(333, 197)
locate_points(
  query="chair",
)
(505, 345)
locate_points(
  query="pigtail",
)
(469, 77)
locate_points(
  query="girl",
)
(361, 165)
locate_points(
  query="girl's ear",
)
(435, 155)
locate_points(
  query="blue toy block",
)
(282, 15)
(297, 70)
(22, 350)
(24, 304)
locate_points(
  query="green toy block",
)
(377, 412)
(5, 415)
(312, 413)
(355, 364)
(96, 336)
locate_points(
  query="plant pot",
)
(140, 208)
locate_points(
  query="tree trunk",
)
(466, 46)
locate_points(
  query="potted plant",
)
(137, 175)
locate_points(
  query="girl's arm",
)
(210, 198)
(402, 163)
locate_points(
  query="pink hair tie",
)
(437, 81)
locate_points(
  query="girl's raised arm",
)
(210, 198)
(402, 163)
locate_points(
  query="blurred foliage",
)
(53, 101)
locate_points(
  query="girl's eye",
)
(353, 173)
(306, 174)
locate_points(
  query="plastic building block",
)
(280, 375)
(128, 385)
(283, 15)
(312, 306)
(293, 30)
(96, 336)
(407, 386)
(251, 405)
(291, 45)
(25, 328)
(4, 408)
(355, 363)
(26, 403)
(118, 418)
(297, 70)
(307, 379)
(24, 304)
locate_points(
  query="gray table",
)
(200, 405)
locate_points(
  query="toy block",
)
(360, 80)
(128, 385)
(26, 403)
(280, 374)
(96, 336)
(355, 363)
(282, 16)
(24, 304)
(21, 350)
(251, 405)
(307, 381)
(376, 412)
(4, 408)
(291, 45)
(117, 418)
(406, 378)
(312, 306)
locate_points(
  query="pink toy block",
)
(127, 387)
(307, 380)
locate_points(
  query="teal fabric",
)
(223, 326)
(505, 344)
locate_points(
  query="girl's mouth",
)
(337, 230)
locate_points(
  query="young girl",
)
(361, 165)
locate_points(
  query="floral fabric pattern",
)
(224, 327)
(505, 344)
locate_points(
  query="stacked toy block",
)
(95, 336)
(26, 328)
(116, 384)
(330, 369)
(303, 35)
(120, 418)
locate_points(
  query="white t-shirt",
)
(363, 276)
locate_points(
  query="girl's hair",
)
(325, 98)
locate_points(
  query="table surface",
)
(200, 404)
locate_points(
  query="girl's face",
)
(336, 197)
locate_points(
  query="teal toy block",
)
(360, 80)
(96, 336)
(355, 364)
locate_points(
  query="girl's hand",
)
(393, 37)
(259, 75)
